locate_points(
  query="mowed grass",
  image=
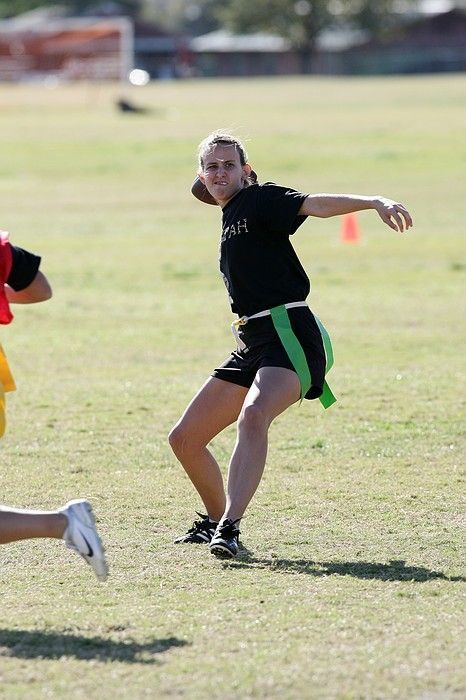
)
(351, 581)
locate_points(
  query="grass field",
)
(351, 584)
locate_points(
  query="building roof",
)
(340, 39)
(227, 42)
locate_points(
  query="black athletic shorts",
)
(264, 349)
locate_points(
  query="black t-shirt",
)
(23, 269)
(258, 263)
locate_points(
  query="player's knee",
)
(178, 439)
(175, 438)
(253, 420)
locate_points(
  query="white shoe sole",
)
(222, 551)
(83, 514)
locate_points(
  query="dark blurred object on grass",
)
(126, 106)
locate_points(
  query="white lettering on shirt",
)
(235, 229)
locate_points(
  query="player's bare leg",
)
(16, 524)
(74, 523)
(215, 406)
(273, 391)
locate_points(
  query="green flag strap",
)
(327, 398)
(327, 345)
(293, 347)
(295, 352)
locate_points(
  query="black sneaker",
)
(201, 532)
(225, 542)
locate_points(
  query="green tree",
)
(301, 21)
(193, 17)
(11, 8)
(376, 17)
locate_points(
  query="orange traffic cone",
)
(350, 229)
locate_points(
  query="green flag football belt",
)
(293, 347)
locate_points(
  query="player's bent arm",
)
(38, 290)
(324, 205)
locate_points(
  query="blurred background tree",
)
(300, 21)
(11, 8)
(193, 17)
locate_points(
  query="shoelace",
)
(229, 529)
(202, 525)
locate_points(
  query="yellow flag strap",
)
(7, 383)
(6, 377)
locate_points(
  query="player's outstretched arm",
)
(38, 290)
(323, 205)
(393, 214)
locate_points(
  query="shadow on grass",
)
(395, 570)
(28, 644)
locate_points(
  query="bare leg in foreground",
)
(74, 523)
(18, 524)
(215, 406)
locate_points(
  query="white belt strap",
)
(244, 319)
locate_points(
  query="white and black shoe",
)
(225, 542)
(82, 537)
(201, 532)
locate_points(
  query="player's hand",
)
(393, 214)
